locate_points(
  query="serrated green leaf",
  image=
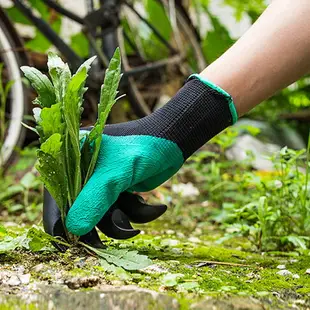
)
(53, 145)
(129, 260)
(110, 86)
(60, 75)
(54, 178)
(107, 100)
(171, 279)
(42, 85)
(51, 122)
(86, 64)
(12, 243)
(72, 113)
(37, 239)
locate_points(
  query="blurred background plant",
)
(4, 91)
(260, 200)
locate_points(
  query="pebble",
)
(185, 190)
(278, 184)
(117, 283)
(194, 240)
(169, 242)
(177, 251)
(82, 282)
(284, 272)
(13, 281)
(206, 203)
(155, 269)
(25, 278)
(170, 232)
(308, 271)
(180, 235)
(281, 267)
(38, 268)
(296, 276)
(197, 231)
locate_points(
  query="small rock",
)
(284, 273)
(194, 240)
(13, 281)
(155, 269)
(281, 267)
(19, 269)
(197, 231)
(180, 235)
(185, 190)
(177, 251)
(78, 282)
(4, 275)
(206, 203)
(38, 268)
(24, 278)
(278, 184)
(169, 242)
(308, 271)
(80, 263)
(296, 276)
(117, 283)
(170, 232)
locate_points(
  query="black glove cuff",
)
(191, 118)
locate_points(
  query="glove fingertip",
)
(78, 227)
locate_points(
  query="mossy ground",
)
(189, 262)
(197, 266)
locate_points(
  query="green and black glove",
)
(140, 155)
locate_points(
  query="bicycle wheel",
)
(143, 45)
(12, 57)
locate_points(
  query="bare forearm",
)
(272, 54)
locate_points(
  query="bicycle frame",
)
(107, 17)
(47, 30)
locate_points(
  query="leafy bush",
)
(63, 167)
(271, 209)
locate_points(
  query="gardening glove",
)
(114, 224)
(140, 155)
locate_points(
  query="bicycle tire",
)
(135, 98)
(13, 56)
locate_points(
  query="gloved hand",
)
(140, 155)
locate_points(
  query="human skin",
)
(271, 55)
